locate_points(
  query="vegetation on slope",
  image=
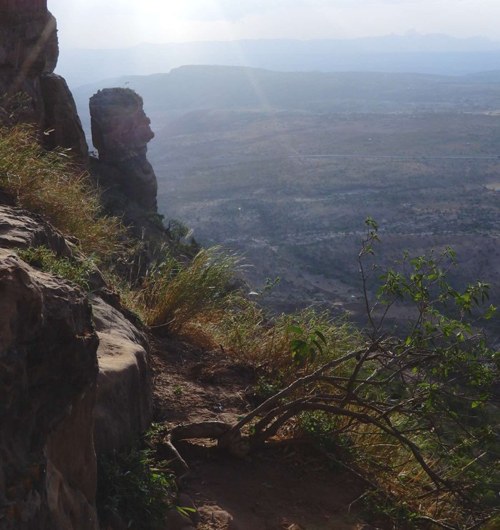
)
(76, 271)
(48, 183)
(415, 416)
(172, 294)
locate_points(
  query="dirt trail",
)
(281, 487)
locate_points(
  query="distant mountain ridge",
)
(432, 54)
(191, 88)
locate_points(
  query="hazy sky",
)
(119, 23)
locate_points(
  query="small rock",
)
(217, 517)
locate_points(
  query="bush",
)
(173, 294)
(76, 271)
(136, 488)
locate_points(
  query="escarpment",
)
(74, 374)
(29, 90)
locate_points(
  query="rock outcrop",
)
(74, 378)
(48, 373)
(74, 375)
(28, 56)
(120, 133)
(61, 118)
(124, 395)
(22, 229)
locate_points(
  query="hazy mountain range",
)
(432, 54)
(191, 88)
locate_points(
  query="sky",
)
(124, 23)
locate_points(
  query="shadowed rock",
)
(48, 371)
(120, 128)
(120, 133)
(29, 91)
(61, 122)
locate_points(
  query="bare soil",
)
(285, 486)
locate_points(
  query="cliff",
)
(29, 90)
(74, 374)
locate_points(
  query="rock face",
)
(28, 56)
(48, 373)
(120, 133)
(74, 375)
(21, 229)
(29, 47)
(65, 388)
(120, 128)
(124, 395)
(61, 117)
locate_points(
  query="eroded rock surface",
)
(62, 384)
(22, 229)
(48, 373)
(124, 394)
(61, 122)
(28, 55)
(120, 133)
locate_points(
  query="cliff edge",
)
(74, 372)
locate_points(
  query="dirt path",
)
(282, 487)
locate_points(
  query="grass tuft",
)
(49, 183)
(76, 271)
(173, 294)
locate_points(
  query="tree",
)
(429, 392)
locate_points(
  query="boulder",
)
(48, 373)
(124, 394)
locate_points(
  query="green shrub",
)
(135, 487)
(76, 271)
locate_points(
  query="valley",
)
(284, 168)
(300, 218)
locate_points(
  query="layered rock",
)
(48, 373)
(22, 229)
(28, 56)
(124, 395)
(120, 132)
(65, 389)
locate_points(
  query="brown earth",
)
(285, 486)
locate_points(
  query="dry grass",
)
(48, 183)
(173, 294)
(247, 333)
(403, 491)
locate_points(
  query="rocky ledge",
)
(74, 380)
